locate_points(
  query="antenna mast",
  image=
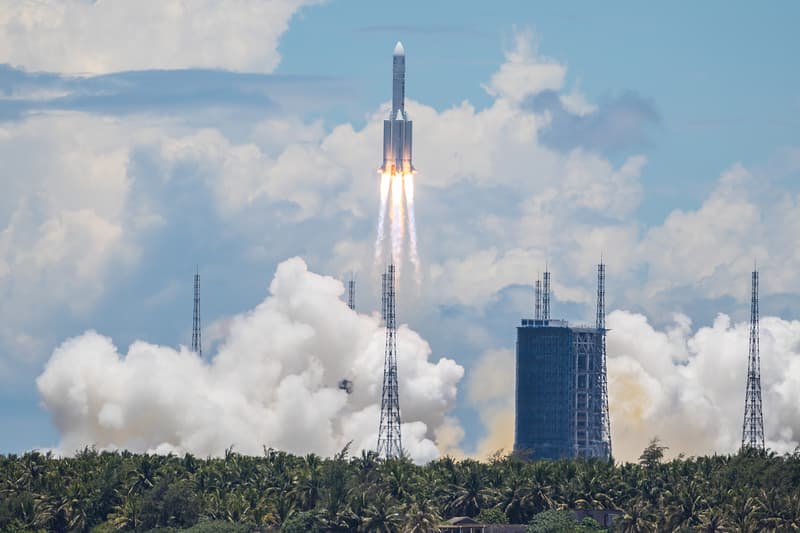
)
(546, 296)
(753, 426)
(197, 342)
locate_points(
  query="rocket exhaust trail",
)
(385, 183)
(408, 183)
(398, 220)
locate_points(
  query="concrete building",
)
(561, 402)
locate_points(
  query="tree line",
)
(103, 491)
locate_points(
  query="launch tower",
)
(753, 426)
(389, 441)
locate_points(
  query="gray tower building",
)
(560, 389)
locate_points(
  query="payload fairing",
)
(397, 128)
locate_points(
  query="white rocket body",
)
(397, 128)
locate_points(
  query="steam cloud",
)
(273, 382)
(688, 387)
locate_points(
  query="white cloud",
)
(525, 72)
(273, 382)
(63, 216)
(76, 36)
(714, 247)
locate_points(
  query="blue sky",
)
(678, 98)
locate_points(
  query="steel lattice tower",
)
(389, 441)
(753, 426)
(601, 327)
(351, 292)
(546, 296)
(197, 342)
(537, 299)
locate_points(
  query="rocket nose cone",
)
(399, 50)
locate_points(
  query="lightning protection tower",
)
(389, 442)
(351, 292)
(546, 296)
(197, 342)
(753, 426)
(605, 417)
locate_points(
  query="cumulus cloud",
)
(64, 218)
(82, 37)
(713, 247)
(525, 72)
(273, 382)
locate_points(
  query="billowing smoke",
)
(688, 387)
(685, 387)
(273, 382)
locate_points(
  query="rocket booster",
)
(397, 128)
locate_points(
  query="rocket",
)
(397, 128)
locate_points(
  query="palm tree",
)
(713, 521)
(128, 514)
(741, 510)
(685, 507)
(308, 483)
(421, 517)
(638, 519)
(383, 515)
(468, 497)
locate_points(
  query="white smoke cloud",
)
(688, 387)
(273, 382)
(82, 37)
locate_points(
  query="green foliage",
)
(492, 516)
(304, 522)
(552, 521)
(589, 525)
(218, 526)
(653, 454)
(105, 492)
(170, 504)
